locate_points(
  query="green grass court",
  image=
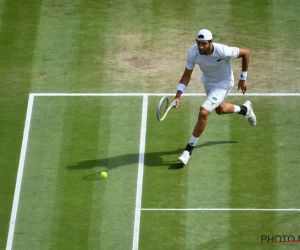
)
(64, 204)
(80, 84)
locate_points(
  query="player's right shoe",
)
(184, 158)
(250, 116)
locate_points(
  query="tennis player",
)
(217, 77)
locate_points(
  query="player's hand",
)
(175, 102)
(243, 86)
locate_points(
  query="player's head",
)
(204, 41)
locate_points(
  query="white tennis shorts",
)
(214, 96)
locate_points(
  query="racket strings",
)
(163, 108)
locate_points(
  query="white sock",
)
(237, 109)
(193, 140)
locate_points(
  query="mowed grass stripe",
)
(56, 47)
(93, 46)
(18, 32)
(287, 148)
(286, 19)
(95, 166)
(36, 211)
(208, 180)
(122, 147)
(74, 197)
(1, 11)
(287, 156)
(209, 164)
(253, 174)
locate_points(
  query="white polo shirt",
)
(216, 68)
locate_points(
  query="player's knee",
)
(209, 106)
(203, 113)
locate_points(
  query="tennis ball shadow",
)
(93, 177)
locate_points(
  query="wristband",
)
(243, 75)
(181, 87)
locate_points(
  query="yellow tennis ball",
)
(103, 175)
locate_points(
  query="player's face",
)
(204, 47)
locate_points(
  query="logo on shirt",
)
(219, 60)
(215, 98)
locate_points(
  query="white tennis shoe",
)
(250, 116)
(184, 158)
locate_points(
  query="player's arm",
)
(183, 83)
(245, 55)
(185, 79)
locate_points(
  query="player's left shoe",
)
(250, 116)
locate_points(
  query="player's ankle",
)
(189, 148)
(243, 110)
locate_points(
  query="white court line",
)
(138, 202)
(14, 211)
(225, 209)
(159, 94)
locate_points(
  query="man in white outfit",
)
(217, 77)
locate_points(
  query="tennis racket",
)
(163, 108)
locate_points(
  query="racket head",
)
(162, 108)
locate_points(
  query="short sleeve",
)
(190, 63)
(231, 52)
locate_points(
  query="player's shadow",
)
(178, 165)
(152, 159)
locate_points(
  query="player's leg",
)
(198, 129)
(213, 100)
(215, 97)
(205, 110)
(201, 122)
(246, 110)
(225, 108)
